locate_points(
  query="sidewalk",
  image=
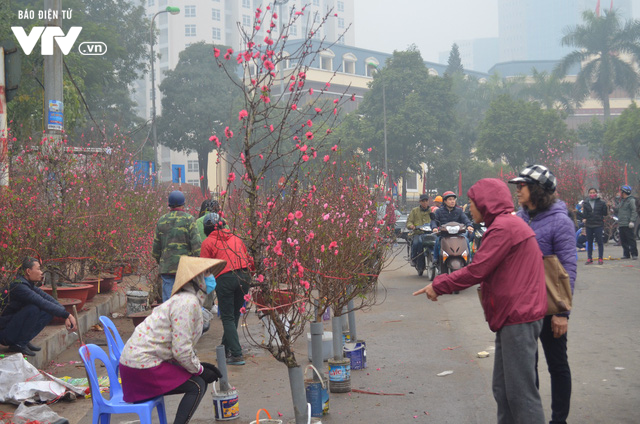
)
(55, 339)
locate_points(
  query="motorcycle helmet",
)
(537, 174)
(212, 221)
(626, 189)
(438, 199)
(176, 198)
(448, 194)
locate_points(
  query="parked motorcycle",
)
(611, 231)
(478, 233)
(424, 261)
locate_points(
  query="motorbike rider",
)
(437, 202)
(418, 217)
(448, 212)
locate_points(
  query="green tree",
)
(198, 98)
(104, 81)
(454, 64)
(592, 134)
(550, 90)
(420, 118)
(601, 43)
(623, 135)
(515, 131)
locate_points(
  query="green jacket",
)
(418, 217)
(627, 212)
(176, 235)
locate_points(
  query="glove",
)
(210, 367)
(208, 376)
(631, 225)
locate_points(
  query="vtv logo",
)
(28, 42)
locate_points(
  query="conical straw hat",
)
(190, 267)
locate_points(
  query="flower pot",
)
(68, 306)
(138, 317)
(95, 286)
(74, 291)
(282, 300)
(106, 282)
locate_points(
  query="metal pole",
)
(222, 366)
(384, 123)
(53, 91)
(153, 98)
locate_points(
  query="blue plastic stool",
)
(103, 408)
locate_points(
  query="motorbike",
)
(611, 231)
(478, 233)
(424, 261)
(454, 251)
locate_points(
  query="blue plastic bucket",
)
(317, 392)
(357, 354)
(340, 375)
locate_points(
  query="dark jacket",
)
(555, 235)
(444, 215)
(627, 211)
(508, 265)
(23, 292)
(595, 216)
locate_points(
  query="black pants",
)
(555, 351)
(24, 326)
(628, 242)
(194, 389)
(594, 233)
(231, 288)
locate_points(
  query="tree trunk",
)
(203, 165)
(607, 108)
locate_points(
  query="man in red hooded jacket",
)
(509, 268)
(232, 281)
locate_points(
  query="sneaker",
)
(600, 261)
(635, 258)
(589, 262)
(235, 360)
(625, 257)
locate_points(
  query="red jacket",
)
(222, 244)
(508, 265)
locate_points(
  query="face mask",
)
(210, 282)
(593, 196)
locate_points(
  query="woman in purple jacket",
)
(549, 219)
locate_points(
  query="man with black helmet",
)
(627, 215)
(176, 235)
(417, 218)
(448, 212)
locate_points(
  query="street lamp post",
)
(384, 123)
(173, 11)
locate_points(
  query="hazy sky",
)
(432, 25)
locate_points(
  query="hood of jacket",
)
(492, 198)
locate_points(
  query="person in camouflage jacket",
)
(176, 235)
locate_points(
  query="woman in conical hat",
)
(160, 358)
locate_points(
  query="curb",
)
(54, 339)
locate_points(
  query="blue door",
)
(177, 173)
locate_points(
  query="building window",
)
(164, 36)
(340, 6)
(194, 182)
(186, 46)
(217, 34)
(246, 20)
(162, 3)
(341, 23)
(326, 63)
(189, 11)
(349, 63)
(192, 165)
(215, 14)
(190, 30)
(412, 181)
(246, 3)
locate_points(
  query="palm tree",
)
(602, 41)
(550, 90)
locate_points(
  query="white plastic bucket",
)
(226, 404)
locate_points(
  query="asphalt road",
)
(410, 340)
